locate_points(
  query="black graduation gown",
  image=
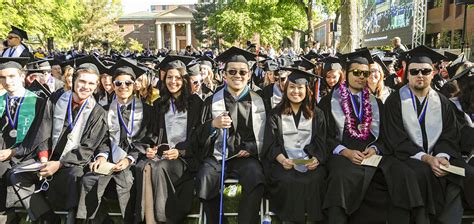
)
(204, 141)
(23, 153)
(64, 187)
(170, 206)
(397, 139)
(364, 186)
(292, 193)
(25, 53)
(95, 186)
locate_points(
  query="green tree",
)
(134, 45)
(201, 29)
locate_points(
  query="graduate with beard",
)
(128, 120)
(72, 130)
(165, 180)
(20, 111)
(357, 193)
(295, 129)
(422, 130)
(245, 123)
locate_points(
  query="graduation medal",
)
(13, 133)
(360, 127)
(13, 121)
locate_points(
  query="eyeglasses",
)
(241, 72)
(11, 37)
(425, 71)
(197, 82)
(127, 83)
(358, 73)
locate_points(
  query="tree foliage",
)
(134, 45)
(79, 23)
(240, 20)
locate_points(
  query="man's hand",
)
(435, 163)
(171, 154)
(50, 168)
(312, 165)
(354, 156)
(151, 152)
(243, 153)
(222, 121)
(94, 165)
(368, 152)
(121, 165)
(6, 154)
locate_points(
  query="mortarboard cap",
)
(467, 73)
(331, 63)
(126, 66)
(313, 55)
(450, 56)
(298, 76)
(306, 64)
(423, 54)
(16, 62)
(361, 56)
(39, 65)
(86, 61)
(174, 62)
(21, 33)
(194, 69)
(235, 54)
(205, 60)
(270, 65)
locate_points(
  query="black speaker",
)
(333, 27)
(50, 43)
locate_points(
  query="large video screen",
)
(385, 19)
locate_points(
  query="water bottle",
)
(267, 219)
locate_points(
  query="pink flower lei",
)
(363, 132)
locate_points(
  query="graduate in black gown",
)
(296, 130)
(165, 180)
(128, 120)
(358, 193)
(245, 123)
(272, 94)
(421, 128)
(195, 80)
(16, 47)
(20, 109)
(72, 130)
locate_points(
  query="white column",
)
(173, 36)
(159, 43)
(188, 34)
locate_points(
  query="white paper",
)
(29, 168)
(105, 168)
(453, 169)
(374, 161)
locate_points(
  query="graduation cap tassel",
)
(221, 202)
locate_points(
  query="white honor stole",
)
(277, 95)
(433, 118)
(176, 124)
(258, 120)
(340, 119)
(114, 125)
(59, 115)
(296, 138)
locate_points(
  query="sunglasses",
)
(234, 72)
(358, 73)
(11, 37)
(425, 71)
(127, 83)
(197, 82)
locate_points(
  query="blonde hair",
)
(68, 71)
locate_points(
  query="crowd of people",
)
(363, 137)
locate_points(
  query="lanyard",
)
(122, 122)
(70, 121)
(421, 117)
(11, 52)
(172, 106)
(13, 122)
(359, 112)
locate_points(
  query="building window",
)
(152, 44)
(153, 8)
(151, 28)
(164, 7)
(135, 28)
(121, 28)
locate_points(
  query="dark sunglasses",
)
(425, 71)
(358, 73)
(127, 83)
(241, 72)
(197, 82)
(11, 37)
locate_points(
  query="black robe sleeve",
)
(95, 138)
(145, 138)
(449, 140)
(331, 133)
(317, 147)
(204, 135)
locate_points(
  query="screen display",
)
(386, 19)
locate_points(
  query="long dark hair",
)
(306, 105)
(181, 103)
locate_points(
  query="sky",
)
(130, 6)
